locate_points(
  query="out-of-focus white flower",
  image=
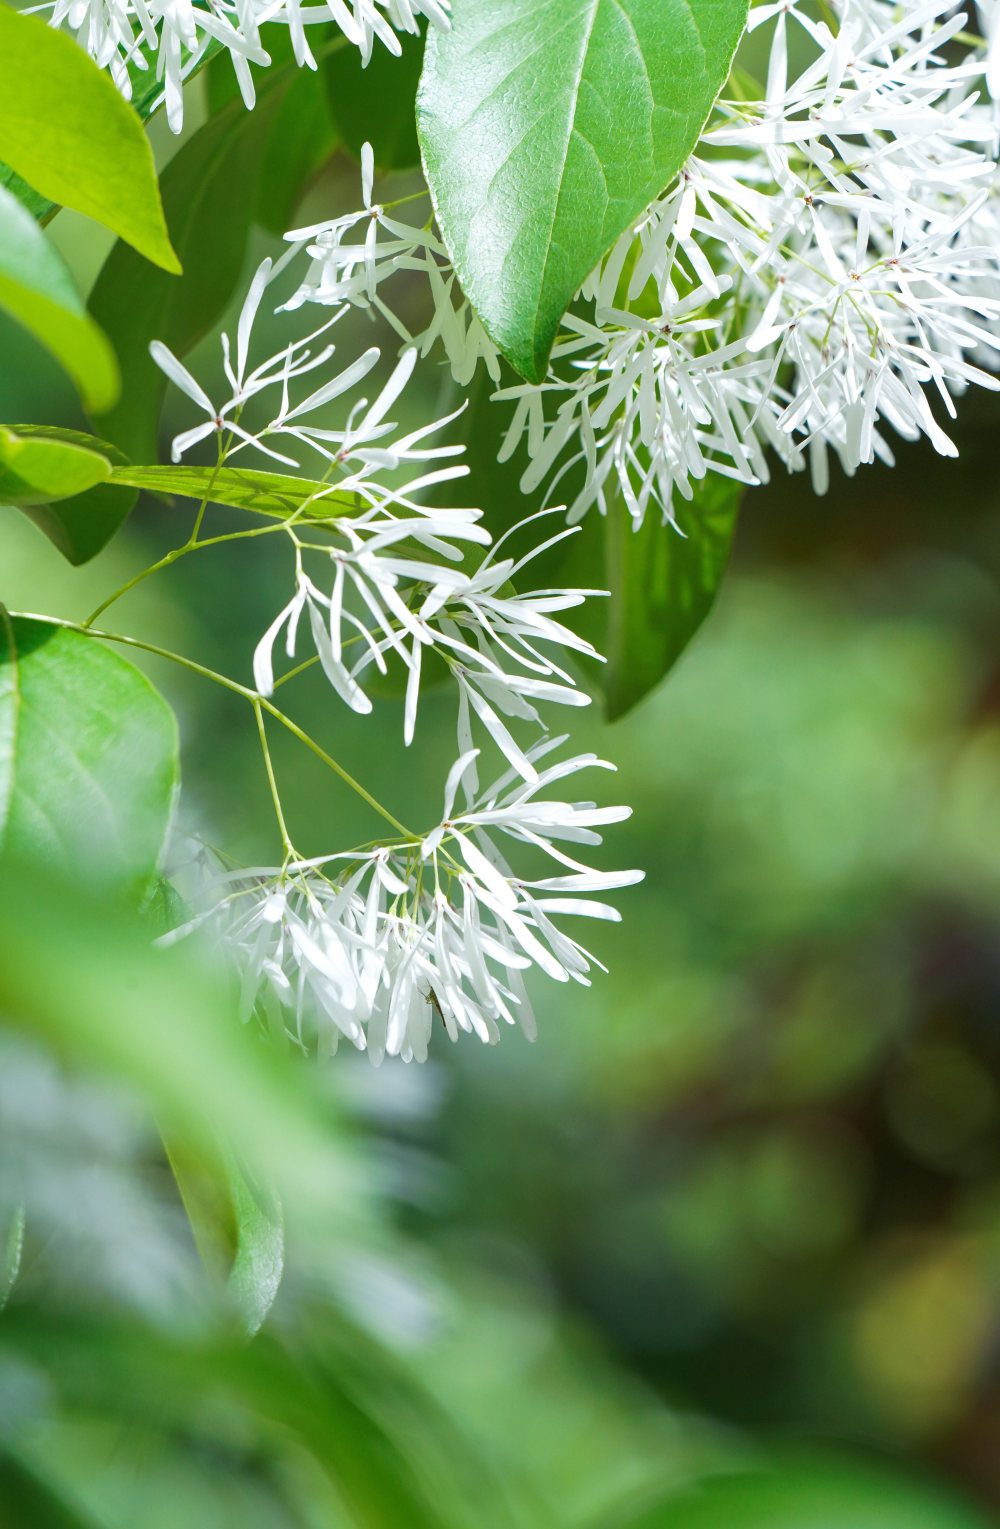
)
(378, 947)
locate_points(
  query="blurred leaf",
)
(66, 129)
(822, 1493)
(37, 468)
(91, 778)
(208, 193)
(31, 1502)
(260, 1249)
(238, 1227)
(81, 525)
(547, 127)
(38, 291)
(376, 104)
(10, 1255)
(243, 488)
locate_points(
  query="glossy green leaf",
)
(67, 130)
(37, 468)
(89, 784)
(38, 291)
(208, 191)
(243, 488)
(547, 126)
(822, 1493)
(375, 104)
(81, 525)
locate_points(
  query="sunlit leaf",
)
(547, 126)
(267, 493)
(37, 468)
(38, 291)
(67, 130)
(84, 523)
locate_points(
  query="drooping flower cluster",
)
(174, 36)
(372, 944)
(825, 271)
(376, 947)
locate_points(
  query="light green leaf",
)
(32, 1502)
(35, 469)
(821, 1493)
(11, 1249)
(81, 525)
(267, 493)
(237, 1224)
(38, 291)
(89, 785)
(547, 126)
(66, 130)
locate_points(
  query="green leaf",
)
(208, 190)
(65, 128)
(31, 1502)
(238, 1227)
(80, 526)
(663, 584)
(245, 489)
(38, 291)
(11, 1249)
(89, 784)
(37, 468)
(820, 1493)
(547, 126)
(375, 104)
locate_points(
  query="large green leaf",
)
(84, 523)
(65, 128)
(38, 291)
(820, 1493)
(208, 193)
(36, 468)
(243, 487)
(88, 786)
(547, 126)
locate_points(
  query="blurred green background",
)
(739, 1206)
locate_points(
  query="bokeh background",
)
(741, 1199)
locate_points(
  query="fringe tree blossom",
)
(376, 947)
(172, 37)
(371, 945)
(825, 273)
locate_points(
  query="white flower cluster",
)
(124, 36)
(826, 269)
(370, 945)
(374, 946)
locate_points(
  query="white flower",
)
(379, 948)
(119, 34)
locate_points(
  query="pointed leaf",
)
(38, 291)
(91, 784)
(35, 469)
(81, 525)
(547, 126)
(242, 487)
(66, 129)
